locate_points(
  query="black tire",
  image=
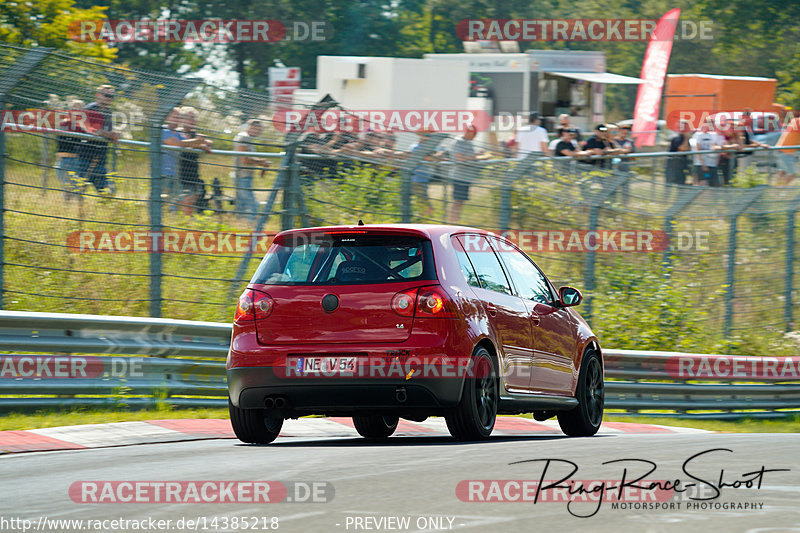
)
(254, 426)
(584, 420)
(375, 427)
(476, 413)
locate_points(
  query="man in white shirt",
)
(532, 138)
(705, 165)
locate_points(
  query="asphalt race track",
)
(414, 484)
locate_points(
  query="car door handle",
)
(535, 319)
(491, 309)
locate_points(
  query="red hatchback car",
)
(382, 322)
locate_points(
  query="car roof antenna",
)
(360, 222)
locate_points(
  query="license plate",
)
(326, 365)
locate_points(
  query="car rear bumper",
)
(254, 387)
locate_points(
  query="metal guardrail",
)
(165, 370)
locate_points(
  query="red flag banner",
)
(654, 68)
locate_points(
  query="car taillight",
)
(403, 302)
(252, 305)
(431, 302)
(434, 302)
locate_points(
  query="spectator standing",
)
(69, 148)
(244, 173)
(678, 165)
(567, 145)
(624, 145)
(170, 136)
(731, 141)
(705, 165)
(563, 123)
(193, 188)
(422, 174)
(532, 138)
(464, 171)
(91, 164)
(598, 144)
(561, 131)
(745, 126)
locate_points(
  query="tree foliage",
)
(750, 37)
(45, 23)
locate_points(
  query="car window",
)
(466, 267)
(528, 279)
(324, 259)
(487, 266)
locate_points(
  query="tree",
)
(46, 23)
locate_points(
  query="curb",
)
(177, 430)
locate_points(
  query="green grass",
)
(748, 425)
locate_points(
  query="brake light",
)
(403, 302)
(434, 302)
(252, 305)
(244, 308)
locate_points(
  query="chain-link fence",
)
(82, 214)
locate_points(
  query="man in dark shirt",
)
(566, 147)
(92, 157)
(563, 124)
(68, 147)
(598, 144)
(678, 165)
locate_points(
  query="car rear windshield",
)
(323, 259)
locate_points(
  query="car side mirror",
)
(569, 296)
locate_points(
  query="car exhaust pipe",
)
(269, 403)
(400, 394)
(280, 402)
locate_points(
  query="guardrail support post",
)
(11, 77)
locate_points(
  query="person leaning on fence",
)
(172, 135)
(624, 146)
(705, 165)
(598, 144)
(193, 189)
(731, 141)
(91, 164)
(563, 124)
(567, 145)
(464, 171)
(531, 138)
(422, 174)
(745, 158)
(677, 166)
(246, 204)
(68, 149)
